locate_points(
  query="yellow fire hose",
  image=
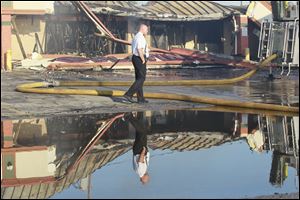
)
(36, 88)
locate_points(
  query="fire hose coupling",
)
(52, 84)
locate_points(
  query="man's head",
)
(145, 179)
(143, 29)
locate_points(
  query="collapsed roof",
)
(161, 10)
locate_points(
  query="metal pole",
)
(89, 186)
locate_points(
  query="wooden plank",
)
(183, 145)
(66, 184)
(221, 8)
(205, 5)
(152, 10)
(17, 192)
(116, 154)
(51, 190)
(73, 175)
(60, 185)
(212, 142)
(34, 191)
(187, 144)
(197, 143)
(62, 32)
(90, 165)
(26, 192)
(174, 6)
(165, 9)
(224, 140)
(189, 8)
(8, 192)
(46, 36)
(205, 143)
(157, 144)
(107, 158)
(13, 21)
(43, 191)
(81, 167)
(97, 159)
(100, 160)
(198, 9)
(171, 143)
(162, 143)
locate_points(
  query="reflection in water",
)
(141, 154)
(42, 157)
(284, 142)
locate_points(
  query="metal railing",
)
(287, 31)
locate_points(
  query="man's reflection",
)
(141, 154)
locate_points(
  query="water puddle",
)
(192, 154)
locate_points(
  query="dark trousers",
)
(140, 133)
(140, 77)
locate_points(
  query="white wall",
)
(35, 163)
(259, 12)
(48, 6)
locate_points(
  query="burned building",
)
(60, 27)
(199, 25)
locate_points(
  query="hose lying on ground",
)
(36, 88)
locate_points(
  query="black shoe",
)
(128, 98)
(143, 101)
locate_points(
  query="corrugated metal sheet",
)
(164, 10)
(113, 7)
(187, 10)
(189, 141)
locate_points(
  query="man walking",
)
(140, 54)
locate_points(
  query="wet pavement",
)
(193, 154)
(69, 146)
(283, 90)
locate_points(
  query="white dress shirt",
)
(139, 167)
(256, 140)
(139, 42)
